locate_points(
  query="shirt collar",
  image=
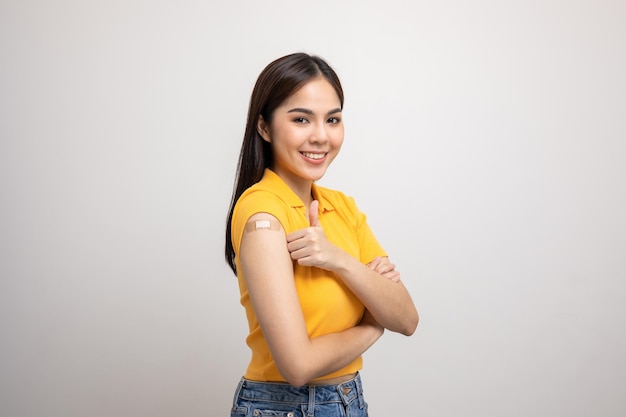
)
(272, 180)
(318, 194)
(280, 187)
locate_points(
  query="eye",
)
(300, 120)
(334, 120)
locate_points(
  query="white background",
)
(485, 140)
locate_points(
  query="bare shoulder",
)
(264, 247)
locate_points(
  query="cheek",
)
(285, 134)
(338, 138)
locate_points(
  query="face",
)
(306, 133)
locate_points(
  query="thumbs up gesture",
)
(309, 246)
(314, 221)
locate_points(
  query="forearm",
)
(388, 301)
(329, 353)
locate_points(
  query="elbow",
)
(295, 380)
(295, 361)
(296, 373)
(411, 325)
(410, 329)
(404, 324)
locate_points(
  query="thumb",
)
(313, 220)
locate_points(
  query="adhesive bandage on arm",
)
(254, 225)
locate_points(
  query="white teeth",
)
(313, 155)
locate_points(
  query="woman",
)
(317, 287)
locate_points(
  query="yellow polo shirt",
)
(327, 304)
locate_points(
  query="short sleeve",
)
(259, 201)
(368, 244)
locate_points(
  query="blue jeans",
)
(262, 399)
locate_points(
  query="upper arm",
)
(268, 272)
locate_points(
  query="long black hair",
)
(279, 80)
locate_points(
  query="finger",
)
(298, 253)
(387, 268)
(392, 275)
(374, 264)
(383, 269)
(313, 220)
(296, 245)
(298, 234)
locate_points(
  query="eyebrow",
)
(310, 112)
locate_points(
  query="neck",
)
(304, 191)
(303, 188)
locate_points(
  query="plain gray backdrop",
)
(485, 140)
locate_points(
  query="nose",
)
(319, 133)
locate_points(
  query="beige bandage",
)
(254, 225)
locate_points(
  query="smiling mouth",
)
(311, 155)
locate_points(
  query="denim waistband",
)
(346, 392)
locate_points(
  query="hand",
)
(309, 246)
(385, 268)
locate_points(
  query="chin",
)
(317, 177)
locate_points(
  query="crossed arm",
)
(387, 299)
(266, 263)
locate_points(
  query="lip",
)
(318, 160)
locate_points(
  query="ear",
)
(263, 129)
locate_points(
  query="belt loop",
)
(359, 390)
(238, 390)
(343, 390)
(311, 409)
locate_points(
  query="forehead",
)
(317, 93)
